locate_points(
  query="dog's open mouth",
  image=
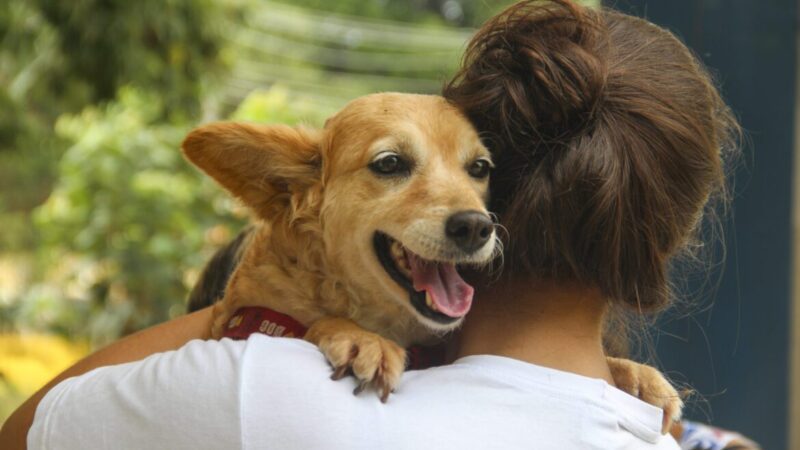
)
(435, 288)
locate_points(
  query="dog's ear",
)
(263, 165)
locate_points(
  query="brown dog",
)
(361, 227)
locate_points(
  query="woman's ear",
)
(260, 164)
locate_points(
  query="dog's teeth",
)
(397, 249)
(404, 267)
(399, 255)
(429, 302)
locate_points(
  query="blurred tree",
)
(28, 150)
(170, 46)
(58, 57)
(125, 219)
(462, 13)
(129, 222)
(469, 13)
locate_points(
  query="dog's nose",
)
(469, 230)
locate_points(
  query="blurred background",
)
(104, 227)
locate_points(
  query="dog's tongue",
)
(448, 291)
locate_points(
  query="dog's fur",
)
(319, 206)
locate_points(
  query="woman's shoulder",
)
(486, 399)
(598, 406)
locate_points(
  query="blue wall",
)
(736, 353)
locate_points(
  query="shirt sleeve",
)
(184, 399)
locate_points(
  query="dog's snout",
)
(469, 230)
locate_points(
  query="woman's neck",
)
(554, 325)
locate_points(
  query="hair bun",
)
(609, 139)
(539, 61)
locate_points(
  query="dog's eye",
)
(389, 163)
(479, 168)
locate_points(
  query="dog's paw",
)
(375, 361)
(649, 385)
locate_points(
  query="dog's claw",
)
(385, 394)
(339, 373)
(360, 388)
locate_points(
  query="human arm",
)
(160, 338)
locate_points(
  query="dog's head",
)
(396, 183)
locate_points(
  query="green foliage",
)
(111, 249)
(31, 66)
(167, 45)
(58, 57)
(127, 216)
(28, 150)
(279, 105)
(130, 222)
(433, 12)
(465, 13)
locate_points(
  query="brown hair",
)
(609, 140)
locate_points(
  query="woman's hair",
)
(609, 141)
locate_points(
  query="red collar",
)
(255, 319)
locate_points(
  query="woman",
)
(609, 141)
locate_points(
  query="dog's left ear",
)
(263, 165)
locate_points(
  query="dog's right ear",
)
(263, 165)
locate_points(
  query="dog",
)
(361, 228)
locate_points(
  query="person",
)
(609, 141)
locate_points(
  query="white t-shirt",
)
(275, 393)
